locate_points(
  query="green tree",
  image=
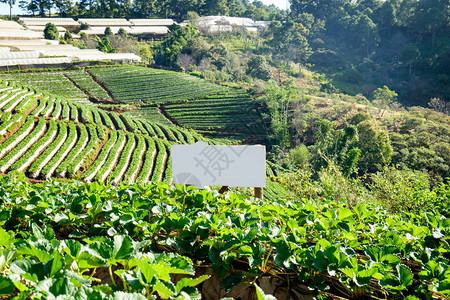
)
(430, 16)
(336, 145)
(122, 32)
(387, 19)
(51, 32)
(259, 68)
(236, 8)
(351, 161)
(68, 36)
(180, 8)
(232, 65)
(192, 17)
(108, 31)
(217, 7)
(145, 8)
(10, 3)
(409, 55)
(299, 156)
(104, 45)
(288, 40)
(168, 51)
(375, 146)
(367, 31)
(279, 101)
(64, 6)
(302, 6)
(145, 52)
(384, 97)
(40, 6)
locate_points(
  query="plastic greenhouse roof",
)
(14, 55)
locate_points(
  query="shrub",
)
(361, 99)
(197, 74)
(359, 117)
(300, 183)
(67, 36)
(108, 31)
(326, 59)
(334, 184)
(84, 26)
(401, 190)
(299, 156)
(375, 146)
(327, 87)
(352, 75)
(145, 52)
(51, 32)
(104, 45)
(122, 32)
(441, 201)
(259, 68)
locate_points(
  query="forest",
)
(360, 44)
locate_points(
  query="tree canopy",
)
(177, 10)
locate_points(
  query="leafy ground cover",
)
(86, 240)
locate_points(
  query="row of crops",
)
(17, 99)
(47, 137)
(139, 85)
(50, 82)
(149, 113)
(76, 85)
(83, 80)
(232, 114)
(91, 241)
(188, 101)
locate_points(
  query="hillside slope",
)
(47, 136)
(157, 95)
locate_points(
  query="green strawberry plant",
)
(56, 238)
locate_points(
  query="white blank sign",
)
(201, 165)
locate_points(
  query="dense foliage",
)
(51, 32)
(362, 45)
(150, 8)
(73, 239)
(367, 44)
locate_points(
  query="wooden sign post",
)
(202, 165)
(259, 192)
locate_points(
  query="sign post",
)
(259, 192)
(201, 165)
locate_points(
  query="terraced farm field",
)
(75, 85)
(161, 96)
(51, 82)
(150, 113)
(83, 80)
(188, 101)
(139, 85)
(231, 115)
(45, 137)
